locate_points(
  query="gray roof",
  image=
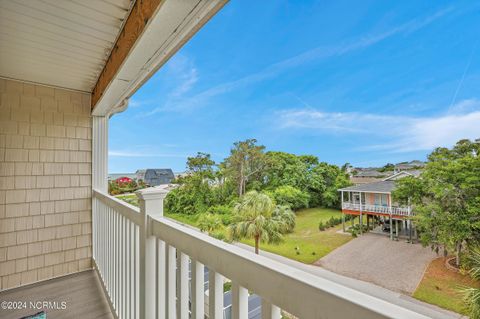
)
(370, 173)
(415, 172)
(377, 187)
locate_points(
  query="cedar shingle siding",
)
(45, 183)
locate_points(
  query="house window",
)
(381, 199)
(384, 200)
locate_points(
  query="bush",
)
(220, 210)
(224, 212)
(291, 196)
(321, 226)
(220, 235)
(355, 230)
(332, 222)
(208, 222)
(124, 185)
(226, 219)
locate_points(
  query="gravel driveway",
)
(395, 265)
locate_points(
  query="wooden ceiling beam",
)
(140, 15)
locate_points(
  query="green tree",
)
(387, 168)
(324, 183)
(291, 196)
(446, 197)
(257, 217)
(285, 169)
(201, 164)
(245, 163)
(284, 215)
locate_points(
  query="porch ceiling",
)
(69, 43)
(59, 43)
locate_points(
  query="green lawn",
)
(129, 198)
(312, 243)
(439, 286)
(186, 219)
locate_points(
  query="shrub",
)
(220, 210)
(291, 196)
(124, 185)
(224, 212)
(220, 235)
(321, 226)
(208, 222)
(226, 219)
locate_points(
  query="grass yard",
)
(129, 198)
(439, 286)
(312, 243)
(185, 219)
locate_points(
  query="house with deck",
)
(374, 202)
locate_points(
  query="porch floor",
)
(82, 293)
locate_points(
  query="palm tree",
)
(257, 217)
(471, 294)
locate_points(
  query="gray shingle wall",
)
(45, 183)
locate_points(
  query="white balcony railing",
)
(143, 261)
(394, 210)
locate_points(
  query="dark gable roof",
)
(370, 173)
(377, 187)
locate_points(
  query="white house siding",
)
(45, 183)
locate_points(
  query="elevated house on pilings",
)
(374, 200)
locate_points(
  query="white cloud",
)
(181, 68)
(405, 133)
(182, 102)
(464, 106)
(182, 76)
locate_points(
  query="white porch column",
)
(391, 215)
(361, 216)
(99, 173)
(151, 204)
(100, 153)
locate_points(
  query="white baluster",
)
(183, 289)
(270, 311)
(215, 295)
(239, 302)
(161, 280)
(198, 293)
(171, 282)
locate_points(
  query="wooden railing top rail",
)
(129, 211)
(293, 290)
(296, 291)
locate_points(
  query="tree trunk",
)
(458, 251)
(241, 180)
(257, 240)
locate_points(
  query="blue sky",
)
(365, 82)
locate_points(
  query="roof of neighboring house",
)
(377, 187)
(401, 174)
(371, 173)
(363, 180)
(416, 172)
